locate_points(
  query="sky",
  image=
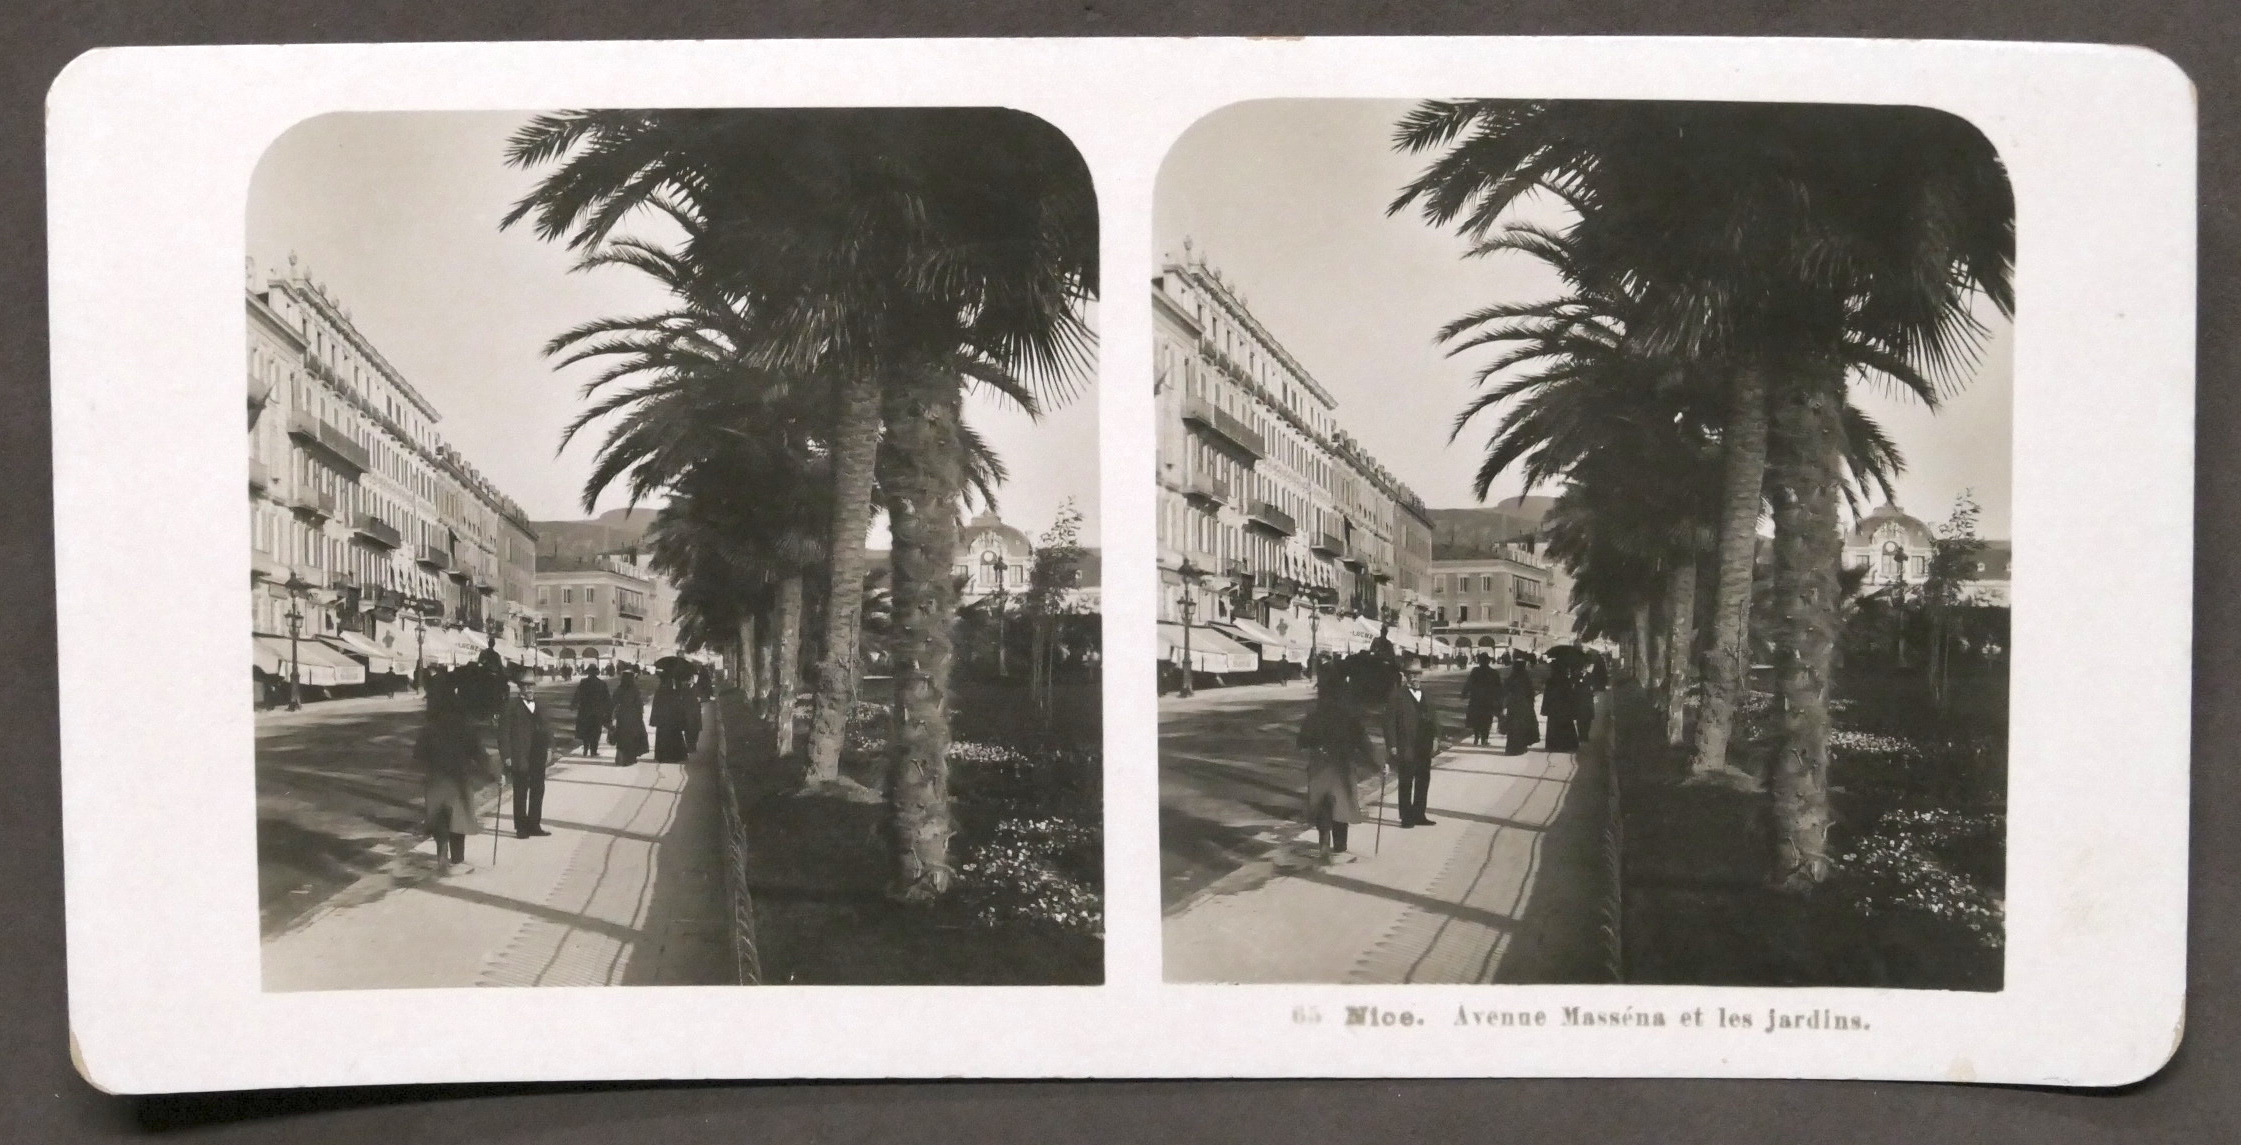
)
(1287, 198)
(397, 214)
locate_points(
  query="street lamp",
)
(297, 587)
(1000, 565)
(1191, 574)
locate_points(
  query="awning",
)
(449, 646)
(1210, 650)
(356, 646)
(322, 667)
(1274, 648)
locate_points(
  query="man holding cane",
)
(525, 744)
(1412, 733)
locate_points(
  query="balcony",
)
(331, 443)
(1382, 571)
(260, 478)
(630, 610)
(1238, 569)
(316, 503)
(432, 557)
(1226, 427)
(377, 532)
(1327, 544)
(485, 585)
(1204, 487)
(1269, 517)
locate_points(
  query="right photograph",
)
(1584, 544)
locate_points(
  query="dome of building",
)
(987, 531)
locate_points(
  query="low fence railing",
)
(733, 743)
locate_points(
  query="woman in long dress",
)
(1521, 728)
(629, 726)
(1560, 703)
(1482, 699)
(453, 765)
(672, 714)
(1338, 755)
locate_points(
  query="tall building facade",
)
(1502, 596)
(370, 534)
(602, 607)
(1276, 528)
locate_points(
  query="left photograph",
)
(675, 550)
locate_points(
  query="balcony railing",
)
(315, 503)
(1327, 545)
(1237, 568)
(1225, 426)
(1270, 517)
(334, 444)
(1206, 487)
(630, 610)
(378, 531)
(432, 557)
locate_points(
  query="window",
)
(591, 595)
(567, 624)
(1463, 615)
(567, 596)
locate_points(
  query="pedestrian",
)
(1412, 733)
(1521, 729)
(674, 712)
(594, 710)
(1338, 756)
(525, 746)
(629, 721)
(1560, 704)
(453, 766)
(1482, 699)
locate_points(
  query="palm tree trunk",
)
(1642, 669)
(855, 455)
(1658, 630)
(1739, 533)
(922, 476)
(785, 655)
(1680, 655)
(1809, 549)
(747, 638)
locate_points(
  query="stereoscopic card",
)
(1129, 558)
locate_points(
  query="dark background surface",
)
(2195, 1099)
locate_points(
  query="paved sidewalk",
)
(1430, 904)
(627, 890)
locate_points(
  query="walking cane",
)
(498, 816)
(1377, 839)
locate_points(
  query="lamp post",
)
(1188, 606)
(296, 587)
(1000, 565)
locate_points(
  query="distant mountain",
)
(1481, 530)
(612, 530)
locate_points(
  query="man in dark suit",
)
(1412, 733)
(525, 744)
(595, 708)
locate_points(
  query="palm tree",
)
(899, 254)
(1639, 433)
(1790, 246)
